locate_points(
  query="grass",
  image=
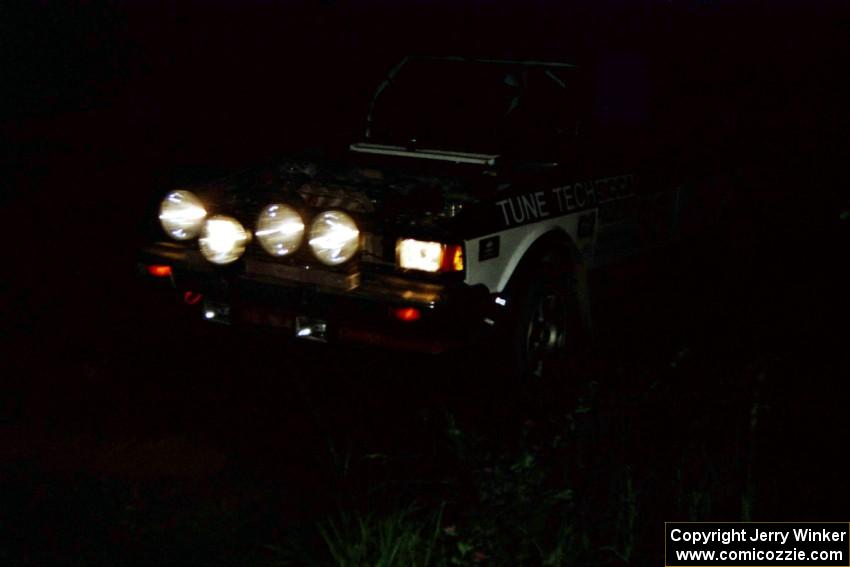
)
(564, 488)
(394, 539)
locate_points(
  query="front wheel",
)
(549, 333)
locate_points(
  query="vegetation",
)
(575, 488)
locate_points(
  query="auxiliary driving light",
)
(223, 239)
(181, 215)
(279, 230)
(334, 237)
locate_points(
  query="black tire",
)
(549, 332)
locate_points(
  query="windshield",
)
(470, 106)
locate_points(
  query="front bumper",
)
(362, 307)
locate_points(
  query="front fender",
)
(514, 244)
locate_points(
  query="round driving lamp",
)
(223, 239)
(334, 237)
(181, 215)
(280, 230)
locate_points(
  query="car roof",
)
(488, 61)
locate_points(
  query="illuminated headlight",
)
(182, 214)
(279, 230)
(334, 237)
(429, 256)
(223, 240)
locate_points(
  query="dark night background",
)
(132, 436)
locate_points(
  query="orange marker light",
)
(407, 314)
(452, 260)
(160, 271)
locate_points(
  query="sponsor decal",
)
(585, 225)
(535, 206)
(488, 248)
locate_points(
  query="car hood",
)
(402, 191)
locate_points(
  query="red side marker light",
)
(407, 314)
(160, 271)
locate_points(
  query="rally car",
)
(470, 210)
